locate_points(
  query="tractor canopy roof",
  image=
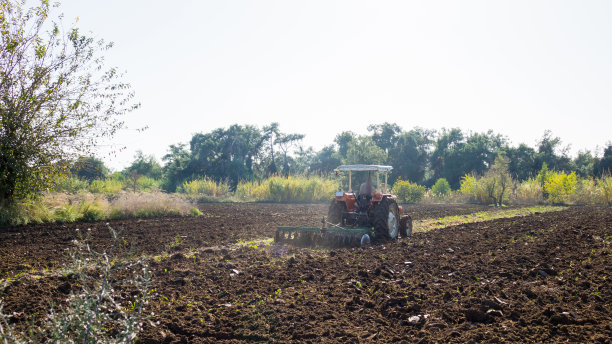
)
(380, 168)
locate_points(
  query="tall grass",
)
(290, 189)
(205, 187)
(63, 207)
(151, 204)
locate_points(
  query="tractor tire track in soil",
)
(541, 278)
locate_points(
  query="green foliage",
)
(70, 184)
(441, 188)
(88, 168)
(144, 165)
(605, 187)
(195, 212)
(93, 211)
(147, 184)
(363, 150)
(23, 213)
(58, 98)
(475, 188)
(559, 186)
(108, 187)
(67, 213)
(408, 192)
(205, 187)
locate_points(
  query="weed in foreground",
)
(108, 308)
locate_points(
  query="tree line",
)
(422, 156)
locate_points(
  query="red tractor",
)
(354, 218)
(371, 207)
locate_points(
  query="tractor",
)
(353, 219)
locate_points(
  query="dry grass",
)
(150, 204)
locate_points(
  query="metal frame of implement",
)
(335, 236)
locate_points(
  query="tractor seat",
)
(363, 203)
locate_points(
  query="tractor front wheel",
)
(386, 220)
(406, 226)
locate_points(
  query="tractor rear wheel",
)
(335, 212)
(386, 220)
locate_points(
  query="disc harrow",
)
(330, 237)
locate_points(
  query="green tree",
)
(410, 155)
(88, 168)
(326, 160)
(603, 166)
(226, 153)
(57, 99)
(583, 164)
(522, 163)
(363, 150)
(455, 155)
(144, 165)
(177, 167)
(552, 153)
(385, 135)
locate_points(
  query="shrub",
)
(585, 192)
(559, 186)
(70, 185)
(408, 192)
(441, 188)
(195, 212)
(528, 191)
(108, 187)
(475, 188)
(605, 189)
(67, 213)
(93, 211)
(147, 184)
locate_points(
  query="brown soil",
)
(542, 278)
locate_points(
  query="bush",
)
(147, 184)
(559, 186)
(529, 191)
(585, 192)
(108, 187)
(605, 189)
(408, 192)
(67, 213)
(70, 185)
(195, 212)
(93, 211)
(441, 188)
(475, 188)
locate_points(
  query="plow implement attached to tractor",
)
(331, 237)
(354, 220)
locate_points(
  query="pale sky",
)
(322, 67)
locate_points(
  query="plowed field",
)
(537, 278)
